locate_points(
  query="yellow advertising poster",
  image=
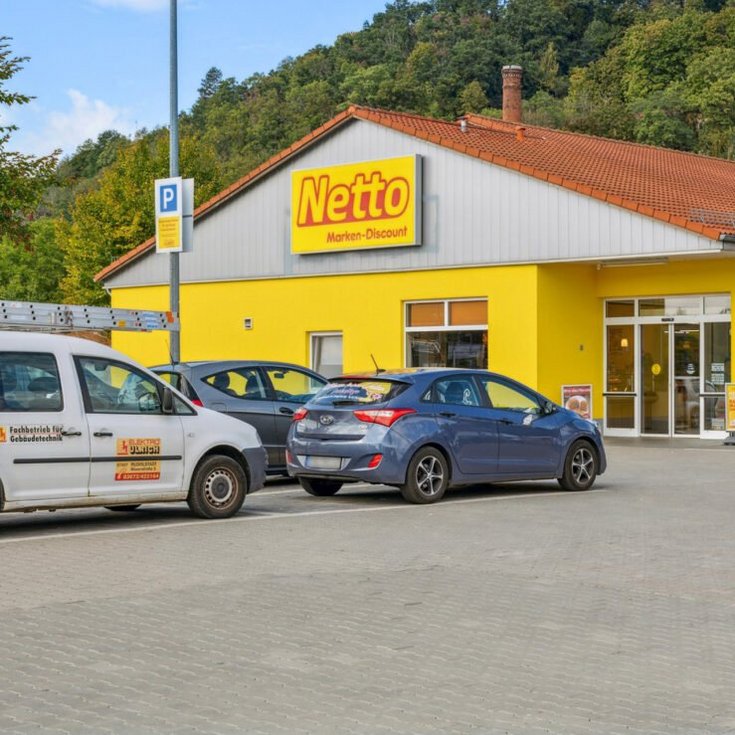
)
(373, 204)
(146, 469)
(730, 407)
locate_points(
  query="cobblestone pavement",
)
(501, 610)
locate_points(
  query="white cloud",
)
(141, 6)
(86, 119)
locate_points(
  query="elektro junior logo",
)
(356, 206)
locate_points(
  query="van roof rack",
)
(74, 318)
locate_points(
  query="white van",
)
(82, 425)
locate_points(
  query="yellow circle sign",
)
(656, 369)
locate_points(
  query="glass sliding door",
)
(620, 380)
(686, 379)
(654, 370)
(667, 360)
(716, 373)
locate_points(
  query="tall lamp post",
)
(174, 277)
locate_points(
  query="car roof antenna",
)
(378, 370)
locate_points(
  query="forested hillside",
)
(655, 72)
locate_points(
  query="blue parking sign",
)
(168, 195)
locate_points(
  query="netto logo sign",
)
(323, 202)
(355, 206)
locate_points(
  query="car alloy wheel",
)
(427, 478)
(580, 467)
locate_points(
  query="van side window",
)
(29, 381)
(114, 387)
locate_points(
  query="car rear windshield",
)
(361, 391)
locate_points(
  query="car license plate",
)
(324, 463)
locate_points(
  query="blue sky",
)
(101, 64)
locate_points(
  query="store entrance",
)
(670, 377)
(666, 375)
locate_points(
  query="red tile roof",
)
(683, 189)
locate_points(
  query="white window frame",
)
(312, 339)
(446, 327)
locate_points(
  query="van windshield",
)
(358, 391)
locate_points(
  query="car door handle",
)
(103, 433)
(508, 422)
(71, 432)
(447, 414)
(285, 410)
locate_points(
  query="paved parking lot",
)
(501, 610)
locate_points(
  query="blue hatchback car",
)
(424, 430)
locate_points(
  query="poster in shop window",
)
(730, 407)
(577, 398)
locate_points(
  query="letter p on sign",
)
(168, 201)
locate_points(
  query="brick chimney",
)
(512, 106)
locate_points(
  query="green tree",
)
(119, 214)
(31, 269)
(23, 178)
(473, 98)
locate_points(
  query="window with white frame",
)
(447, 333)
(326, 353)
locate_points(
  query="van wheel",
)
(218, 488)
(427, 478)
(320, 487)
(123, 508)
(580, 467)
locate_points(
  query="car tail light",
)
(300, 413)
(197, 402)
(384, 416)
(289, 458)
(375, 461)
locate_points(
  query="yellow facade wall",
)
(545, 322)
(367, 308)
(570, 331)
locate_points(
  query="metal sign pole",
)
(175, 344)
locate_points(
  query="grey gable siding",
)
(474, 213)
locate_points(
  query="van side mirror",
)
(168, 401)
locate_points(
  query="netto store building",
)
(556, 258)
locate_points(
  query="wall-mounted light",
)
(631, 262)
(624, 343)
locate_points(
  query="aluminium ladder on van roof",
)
(73, 317)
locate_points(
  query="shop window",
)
(670, 306)
(620, 308)
(447, 334)
(429, 314)
(716, 304)
(326, 354)
(462, 313)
